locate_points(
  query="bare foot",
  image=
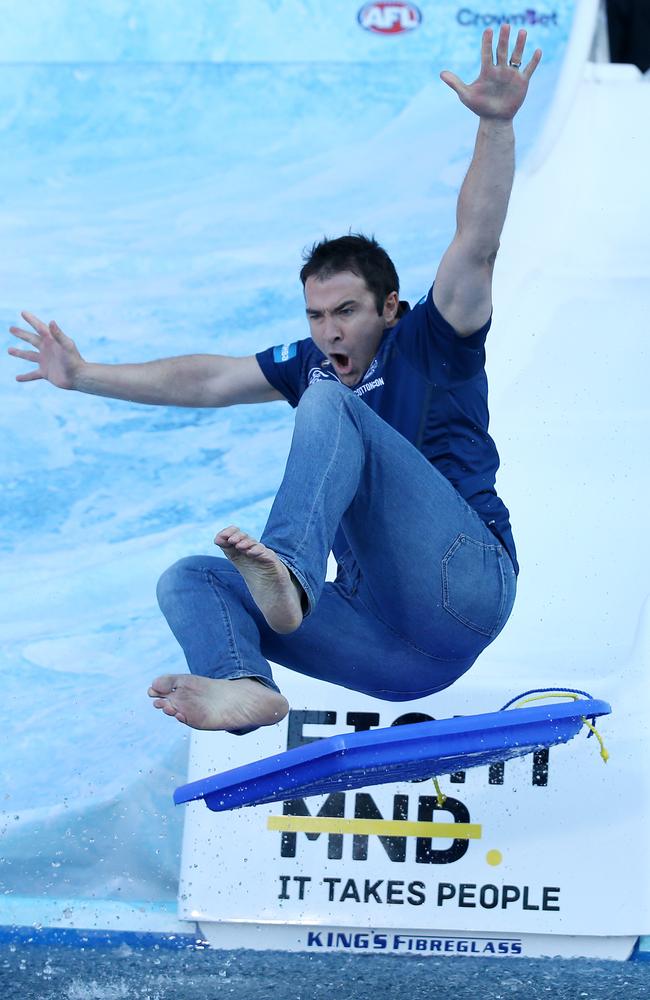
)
(272, 587)
(238, 705)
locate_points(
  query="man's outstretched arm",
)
(190, 380)
(463, 286)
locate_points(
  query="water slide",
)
(161, 176)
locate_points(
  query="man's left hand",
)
(500, 89)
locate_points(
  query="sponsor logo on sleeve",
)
(389, 18)
(285, 352)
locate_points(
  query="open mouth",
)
(341, 362)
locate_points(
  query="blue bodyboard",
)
(399, 753)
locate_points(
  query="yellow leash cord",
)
(604, 753)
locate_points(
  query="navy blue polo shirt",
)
(430, 385)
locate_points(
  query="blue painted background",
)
(161, 173)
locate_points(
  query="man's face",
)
(344, 323)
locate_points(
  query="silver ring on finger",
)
(515, 65)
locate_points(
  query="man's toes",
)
(174, 713)
(248, 546)
(169, 709)
(224, 536)
(162, 686)
(256, 549)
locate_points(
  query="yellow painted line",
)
(375, 827)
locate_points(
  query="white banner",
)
(546, 844)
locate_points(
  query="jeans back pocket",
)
(474, 587)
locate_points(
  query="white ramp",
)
(569, 382)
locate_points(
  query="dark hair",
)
(361, 255)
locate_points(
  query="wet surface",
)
(33, 972)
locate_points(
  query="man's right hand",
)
(55, 355)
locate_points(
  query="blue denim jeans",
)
(423, 585)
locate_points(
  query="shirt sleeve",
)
(283, 367)
(430, 344)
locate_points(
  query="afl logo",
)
(389, 18)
